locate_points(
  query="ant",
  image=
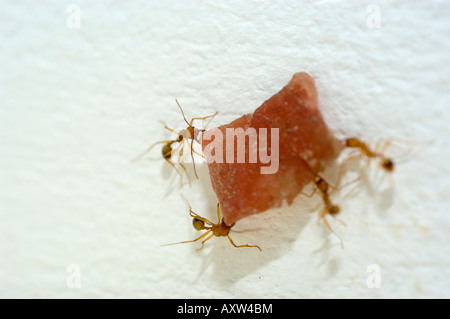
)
(324, 188)
(332, 209)
(219, 229)
(189, 133)
(386, 163)
(362, 149)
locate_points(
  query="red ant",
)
(219, 229)
(386, 163)
(362, 150)
(324, 188)
(189, 133)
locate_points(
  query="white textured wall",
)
(77, 104)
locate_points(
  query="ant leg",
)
(220, 219)
(203, 118)
(180, 154)
(173, 165)
(241, 246)
(366, 179)
(196, 216)
(339, 220)
(218, 212)
(327, 224)
(322, 215)
(189, 241)
(174, 150)
(211, 236)
(335, 187)
(377, 146)
(382, 146)
(168, 128)
(316, 208)
(339, 237)
(342, 172)
(199, 154)
(169, 154)
(192, 156)
(357, 156)
(148, 150)
(312, 194)
(182, 113)
(187, 202)
(331, 230)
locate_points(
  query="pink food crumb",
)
(241, 188)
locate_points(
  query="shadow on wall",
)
(275, 231)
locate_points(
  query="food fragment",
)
(286, 145)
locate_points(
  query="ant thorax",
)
(190, 133)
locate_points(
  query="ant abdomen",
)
(198, 224)
(167, 151)
(333, 210)
(388, 164)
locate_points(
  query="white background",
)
(78, 103)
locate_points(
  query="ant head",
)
(166, 151)
(184, 134)
(198, 224)
(388, 164)
(334, 210)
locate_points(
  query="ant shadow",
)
(176, 177)
(375, 184)
(168, 174)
